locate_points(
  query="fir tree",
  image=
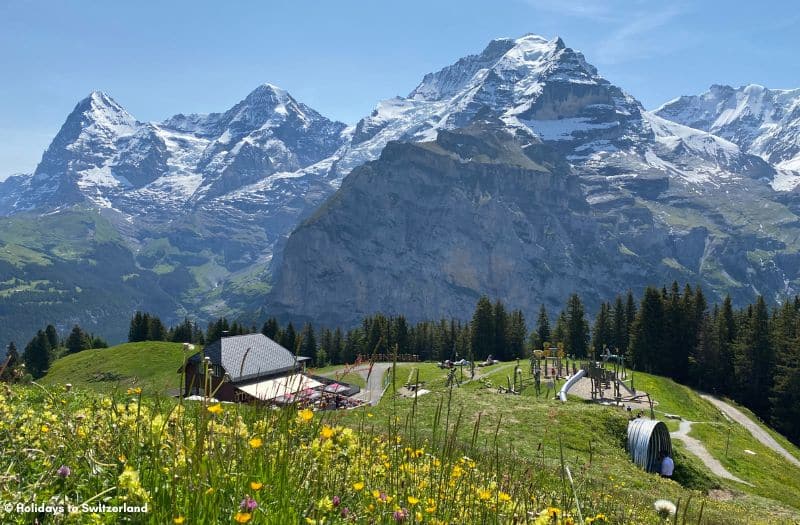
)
(754, 360)
(619, 327)
(576, 341)
(517, 330)
(542, 326)
(271, 328)
(77, 340)
(11, 362)
(725, 333)
(602, 330)
(289, 339)
(138, 328)
(38, 355)
(482, 326)
(156, 330)
(500, 325)
(646, 339)
(338, 347)
(52, 336)
(308, 346)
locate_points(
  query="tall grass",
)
(229, 463)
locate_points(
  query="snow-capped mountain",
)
(104, 156)
(671, 201)
(761, 121)
(205, 203)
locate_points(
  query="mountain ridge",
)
(206, 202)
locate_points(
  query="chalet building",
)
(247, 368)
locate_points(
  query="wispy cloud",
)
(625, 29)
(591, 9)
(638, 36)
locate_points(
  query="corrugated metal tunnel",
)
(647, 438)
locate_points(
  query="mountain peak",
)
(267, 95)
(100, 109)
(529, 53)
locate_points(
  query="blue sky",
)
(341, 57)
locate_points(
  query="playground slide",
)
(562, 394)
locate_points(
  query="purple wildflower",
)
(248, 504)
(400, 515)
(336, 501)
(345, 512)
(63, 471)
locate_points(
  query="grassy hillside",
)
(591, 438)
(73, 265)
(150, 365)
(528, 438)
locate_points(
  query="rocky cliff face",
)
(665, 201)
(428, 227)
(204, 204)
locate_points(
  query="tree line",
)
(751, 355)
(45, 347)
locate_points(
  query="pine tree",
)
(351, 346)
(482, 325)
(52, 336)
(289, 339)
(559, 333)
(501, 350)
(97, 341)
(400, 334)
(602, 330)
(726, 335)
(156, 330)
(576, 340)
(38, 355)
(138, 328)
(647, 333)
(271, 328)
(754, 360)
(11, 362)
(517, 330)
(619, 327)
(630, 313)
(542, 327)
(217, 329)
(675, 358)
(78, 340)
(785, 395)
(308, 346)
(338, 347)
(704, 357)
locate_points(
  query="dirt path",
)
(759, 433)
(698, 449)
(373, 392)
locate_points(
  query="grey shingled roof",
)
(250, 356)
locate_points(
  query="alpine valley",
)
(519, 173)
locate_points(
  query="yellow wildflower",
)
(306, 415)
(255, 442)
(178, 520)
(327, 432)
(242, 517)
(504, 496)
(412, 500)
(358, 486)
(217, 409)
(256, 485)
(484, 494)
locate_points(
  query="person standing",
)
(667, 465)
